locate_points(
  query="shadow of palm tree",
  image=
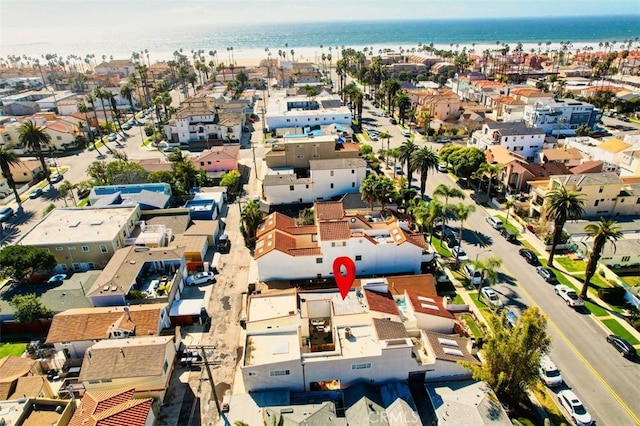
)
(506, 278)
(25, 217)
(477, 239)
(9, 234)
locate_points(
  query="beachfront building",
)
(315, 340)
(605, 194)
(83, 238)
(516, 137)
(198, 120)
(122, 67)
(377, 243)
(326, 179)
(296, 151)
(561, 116)
(304, 111)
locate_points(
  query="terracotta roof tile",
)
(593, 166)
(130, 413)
(95, 323)
(334, 231)
(12, 367)
(381, 302)
(28, 386)
(428, 304)
(329, 210)
(111, 408)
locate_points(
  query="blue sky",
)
(19, 15)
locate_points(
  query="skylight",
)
(450, 351)
(449, 342)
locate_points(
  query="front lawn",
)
(619, 330)
(509, 226)
(473, 325)
(548, 404)
(596, 310)
(16, 349)
(525, 244)
(571, 265)
(440, 247)
(457, 300)
(596, 280)
(633, 281)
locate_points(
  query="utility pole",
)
(214, 395)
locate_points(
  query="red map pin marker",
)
(344, 281)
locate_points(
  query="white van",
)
(495, 222)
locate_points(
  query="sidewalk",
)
(593, 297)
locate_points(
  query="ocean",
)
(305, 39)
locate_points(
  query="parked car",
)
(224, 244)
(35, 193)
(622, 346)
(374, 138)
(490, 297)
(574, 406)
(548, 275)
(399, 170)
(441, 139)
(112, 137)
(462, 255)
(549, 373)
(127, 126)
(201, 278)
(510, 319)
(569, 296)
(406, 133)
(495, 222)
(83, 193)
(442, 168)
(393, 121)
(474, 275)
(530, 256)
(6, 213)
(508, 235)
(56, 178)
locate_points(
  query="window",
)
(331, 173)
(291, 187)
(358, 258)
(596, 203)
(626, 258)
(59, 249)
(279, 373)
(71, 248)
(85, 249)
(361, 366)
(601, 189)
(103, 249)
(518, 148)
(91, 265)
(165, 366)
(299, 157)
(352, 171)
(307, 186)
(252, 373)
(318, 260)
(59, 138)
(331, 186)
(76, 267)
(353, 184)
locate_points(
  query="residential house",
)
(516, 175)
(63, 133)
(148, 196)
(114, 407)
(570, 157)
(466, 403)
(297, 152)
(195, 249)
(605, 194)
(197, 120)
(301, 110)
(316, 340)
(328, 179)
(75, 330)
(442, 68)
(30, 386)
(82, 238)
(561, 116)
(217, 160)
(23, 172)
(376, 242)
(516, 137)
(156, 274)
(390, 404)
(11, 369)
(144, 364)
(123, 67)
(610, 151)
(440, 104)
(630, 162)
(36, 411)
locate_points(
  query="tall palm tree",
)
(562, 205)
(509, 205)
(92, 100)
(35, 139)
(7, 159)
(84, 109)
(605, 230)
(102, 95)
(492, 170)
(489, 269)
(462, 212)
(424, 160)
(126, 92)
(367, 190)
(386, 135)
(66, 189)
(251, 216)
(406, 150)
(447, 192)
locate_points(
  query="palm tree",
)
(386, 135)
(126, 92)
(35, 139)
(605, 230)
(251, 216)
(406, 150)
(7, 159)
(102, 95)
(489, 269)
(447, 192)
(92, 100)
(367, 190)
(509, 205)
(65, 189)
(183, 167)
(562, 205)
(424, 160)
(462, 212)
(492, 170)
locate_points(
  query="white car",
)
(462, 255)
(374, 138)
(442, 168)
(201, 278)
(569, 296)
(549, 373)
(490, 296)
(406, 133)
(574, 406)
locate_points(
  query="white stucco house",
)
(561, 116)
(199, 120)
(302, 110)
(328, 178)
(516, 137)
(377, 243)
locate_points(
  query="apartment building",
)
(516, 137)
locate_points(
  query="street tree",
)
(121, 172)
(29, 308)
(8, 158)
(562, 204)
(511, 357)
(462, 212)
(231, 179)
(21, 262)
(424, 160)
(607, 230)
(250, 217)
(36, 139)
(405, 152)
(466, 161)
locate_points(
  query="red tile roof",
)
(111, 408)
(428, 304)
(381, 302)
(12, 367)
(329, 210)
(334, 230)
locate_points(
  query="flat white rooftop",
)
(272, 348)
(78, 225)
(271, 306)
(362, 343)
(352, 304)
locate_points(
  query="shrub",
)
(612, 295)
(136, 294)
